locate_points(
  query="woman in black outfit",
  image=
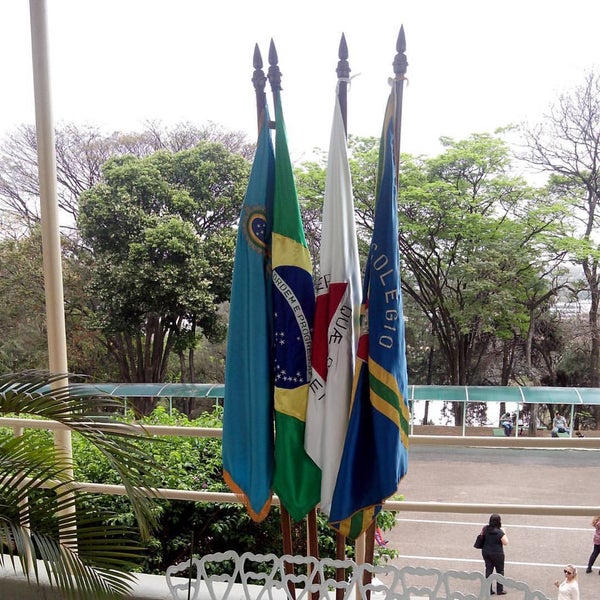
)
(493, 550)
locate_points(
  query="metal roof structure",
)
(519, 394)
(162, 390)
(444, 393)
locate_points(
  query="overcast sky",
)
(474, 65)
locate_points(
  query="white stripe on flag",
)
(330, 391)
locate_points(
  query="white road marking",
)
(507, 525)
(478, 561)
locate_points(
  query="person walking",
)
(568, 589)
(493, 550)
(596, 540)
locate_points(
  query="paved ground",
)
(539, 546)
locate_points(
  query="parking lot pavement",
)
(539, 545)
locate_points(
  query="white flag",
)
(336, 319)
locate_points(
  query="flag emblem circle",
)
(255, 228)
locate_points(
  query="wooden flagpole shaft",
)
(286, 532)
(369, 553)
(359, 557)
(312, 543)
(340, 554)
(286, 529)
(312, 537)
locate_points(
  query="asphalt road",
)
(539, 546)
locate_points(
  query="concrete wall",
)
(14, 586)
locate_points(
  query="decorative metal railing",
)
(258, 576)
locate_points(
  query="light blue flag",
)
(375, 455)
(248, 438)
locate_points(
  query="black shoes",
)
(502, 593)
(588, 570)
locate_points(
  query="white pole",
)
(57, 348)
(53, 282)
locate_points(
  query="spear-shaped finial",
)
(343, 68)
(343, 73)
(259, 81)
(400, 62)
(400, 65)
(274, 74)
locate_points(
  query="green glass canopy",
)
(163, 390)
(524, 394)
(444, 393)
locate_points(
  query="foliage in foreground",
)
(87, 559)
(186, 527)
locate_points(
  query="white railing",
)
(19, 424)
(256, 576)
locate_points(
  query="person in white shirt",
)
(568, 589)
(559, 425)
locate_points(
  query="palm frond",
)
(40, 514)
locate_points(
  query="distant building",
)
(571, 309)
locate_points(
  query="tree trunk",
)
(595, 337)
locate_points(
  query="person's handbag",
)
(479, 540)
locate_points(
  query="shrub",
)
(196, 464)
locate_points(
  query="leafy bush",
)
(196, 464)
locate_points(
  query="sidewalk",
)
(483, 431)
(539, 546)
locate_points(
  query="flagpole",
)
(400, 65)
(369, 547)
(259, 81)
(343, 74)
(312, 545)
(274, 77)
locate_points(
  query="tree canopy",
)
(472, 245)
(148, 267)
(566, 144)
(160, 231)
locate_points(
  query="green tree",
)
(80, 153)
(472, 247)
(160, 234)
(192, 464)
(566, 144)
(24, 344)
(476, 256)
